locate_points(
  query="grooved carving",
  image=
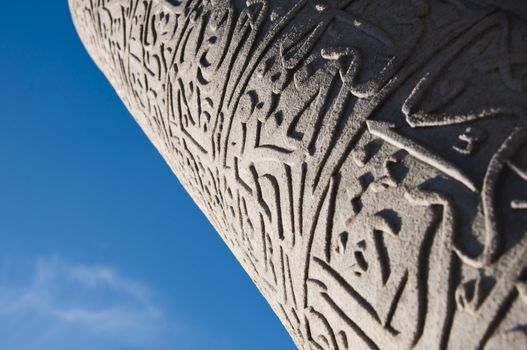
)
(365, 160)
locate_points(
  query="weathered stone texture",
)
(364, 160)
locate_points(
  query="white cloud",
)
(63, 304)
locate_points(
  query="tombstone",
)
(366, 161)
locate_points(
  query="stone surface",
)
(364, 160)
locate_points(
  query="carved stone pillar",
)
(364, 160)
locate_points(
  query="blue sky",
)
(100, 246)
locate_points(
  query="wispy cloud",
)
(61, 300)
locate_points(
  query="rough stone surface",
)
(364, 160)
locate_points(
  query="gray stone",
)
(364, 160)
